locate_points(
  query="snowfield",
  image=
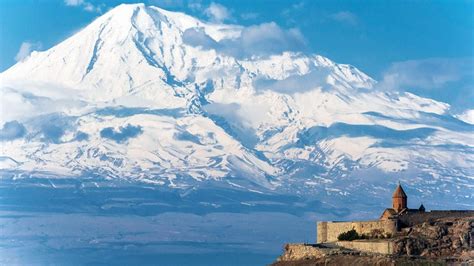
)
(145, 94)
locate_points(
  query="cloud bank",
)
(432, 73)
(264, 39)
(296, 83)
(25, 50)
(444, 79)
(467, 116)
(217, 12)
(87, 6)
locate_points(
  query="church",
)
(389, 223)
(399, 205)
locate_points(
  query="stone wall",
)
(303, 252)
(321, 232)
(329, 231)
(411, 219)
(294, 252)
(374, 246)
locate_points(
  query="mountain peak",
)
(134, 49)
(132, 41)
(131, 96)
(129, 9)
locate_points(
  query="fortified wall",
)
(294, 252)
(411, 219)
(329, 231)
(435, 233)
(389, 225)
(373, 246)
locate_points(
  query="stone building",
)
(389, 223)
(399, 205)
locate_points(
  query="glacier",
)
(154, 100)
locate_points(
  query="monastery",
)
(391, 221)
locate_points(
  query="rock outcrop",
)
(437, 238)
(434, 242)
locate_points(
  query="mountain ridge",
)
(157, 96)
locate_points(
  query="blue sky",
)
(406, 44)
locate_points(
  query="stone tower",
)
(399, 199)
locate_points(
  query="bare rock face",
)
(300, 251)
(439, 238)
(294, 252)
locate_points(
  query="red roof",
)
(399, 193)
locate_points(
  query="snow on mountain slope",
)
(144, 93)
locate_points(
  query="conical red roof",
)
(399, 193)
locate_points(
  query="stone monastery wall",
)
(378, 246)
(329, 231)
(411, 219)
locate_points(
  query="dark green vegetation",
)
(349, 236)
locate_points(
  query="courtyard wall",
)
(329, 231)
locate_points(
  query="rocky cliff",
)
(438, 238)
(434, 242)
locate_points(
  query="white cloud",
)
(87, 6)
(293, 10)
(73, 2)
(257, 40)
(467, 116)
(242, 121)
(25, 49)
(296, 83)
(217, 12)
(294, 7)
(270, 38)
(91, 8)
(427, 74)
(195, 5)
(345, 17)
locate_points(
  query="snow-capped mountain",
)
(157, 96)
